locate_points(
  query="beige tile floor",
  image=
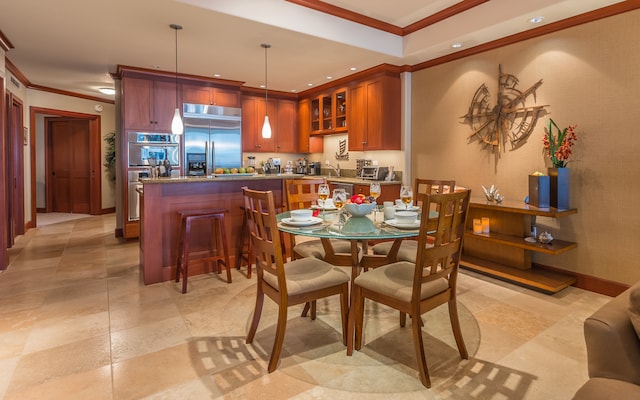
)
(77, 323)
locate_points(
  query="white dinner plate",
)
(311, 221)
(396, 224)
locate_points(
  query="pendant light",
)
(266, 127)
(177, 127)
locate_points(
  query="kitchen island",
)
(162, 198)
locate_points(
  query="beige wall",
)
(591, 77)
(41, 99)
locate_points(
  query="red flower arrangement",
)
(558, 146)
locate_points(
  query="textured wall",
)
(591, 77)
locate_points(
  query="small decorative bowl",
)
(302, 214)
(359, 210)
(545, 238)
(406, 217)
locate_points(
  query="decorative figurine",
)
(492, 193)
(545, 237)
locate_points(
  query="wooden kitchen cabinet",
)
(306, 142)
(329, 112)
(389, 192)
(210, 95)
(282, 118)
(148, 104)
(374, 114)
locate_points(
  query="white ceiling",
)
(73, 45)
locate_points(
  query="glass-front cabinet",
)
(329, 113)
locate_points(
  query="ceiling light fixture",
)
(106, 90)
(177, 127)
(536, 20)
(456, 45)
(266, 127)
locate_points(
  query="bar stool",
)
(218, 252)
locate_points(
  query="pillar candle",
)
(485, 225)
(477, 226)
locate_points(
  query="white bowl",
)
(406, 217)
(359, 210)
(301, 215)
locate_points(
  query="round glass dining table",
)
(359, 230)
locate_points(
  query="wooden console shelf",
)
(503, 253)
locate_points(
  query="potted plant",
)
(110, 155)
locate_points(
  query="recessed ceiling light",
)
(536, 20)
(293, 90)
(262, 86)
(216, 75)
(456, 45)
(353, 68)
(309, 84)
(329, 77)
(106, 90)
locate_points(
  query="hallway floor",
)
(76, 322)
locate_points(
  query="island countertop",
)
(245, 177)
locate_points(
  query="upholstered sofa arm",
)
(613, 347)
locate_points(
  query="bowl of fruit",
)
(360, 205)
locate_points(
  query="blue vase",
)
(559, 188)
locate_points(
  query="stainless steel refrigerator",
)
(212, 138)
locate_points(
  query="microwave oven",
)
(149, 149)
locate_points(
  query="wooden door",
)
(249, 124)
(375, 113)
(14, 171)
(287, 134)
(138, 103)
(4, 239)
(69, 157)
(165, 102)
(357, 117)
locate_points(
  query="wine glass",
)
(406, 195)
(339, 198)
(374, 191)
(323, 194)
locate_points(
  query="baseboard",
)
(590, 283)
(108, 210)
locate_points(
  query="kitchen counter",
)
(245, 177)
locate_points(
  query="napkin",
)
(328, 203)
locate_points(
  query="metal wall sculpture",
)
(510, 120)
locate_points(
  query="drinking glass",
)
(374, 191)
(339, 198)
(406, 195)
(323, 194)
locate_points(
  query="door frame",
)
(95, 160)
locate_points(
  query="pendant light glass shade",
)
(266, 127)
(177, 127)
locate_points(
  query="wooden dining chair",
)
(303, 193)
(408, 248)
(415, 288)
(296, 282)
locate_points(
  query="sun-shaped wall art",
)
(510, 120)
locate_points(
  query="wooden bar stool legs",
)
(218, 252)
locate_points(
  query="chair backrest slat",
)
(439, 256)
(263, 228)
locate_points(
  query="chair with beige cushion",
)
(612, 336)
(297, 282)
(408, 248)
(415, 288)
